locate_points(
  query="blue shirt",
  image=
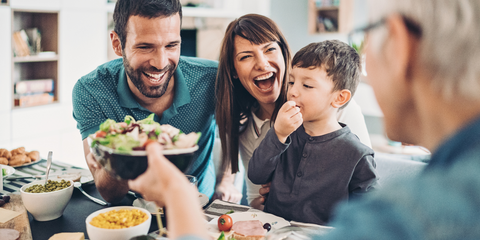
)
(442, 203)
(104, 93)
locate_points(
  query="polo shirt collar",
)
(181, 97)
(125, 95)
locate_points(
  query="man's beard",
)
(136, 78)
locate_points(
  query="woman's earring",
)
(235, 76)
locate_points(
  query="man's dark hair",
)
(143, 8)
(341, 62)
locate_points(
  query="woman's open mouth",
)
(265, 82)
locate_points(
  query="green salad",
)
(131, 135)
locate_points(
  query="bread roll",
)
(5, 153)
(18, 151)
(34, 155)
(3, 161)
(17, 160)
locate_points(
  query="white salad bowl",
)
(48, 205)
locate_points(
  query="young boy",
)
(312, 161)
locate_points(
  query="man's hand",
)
(92, 162)
(288, 120)
(111, 189)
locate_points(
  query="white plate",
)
(28, 164)
(85, 175)
(203, 199)
(10, 170)
(275, 222)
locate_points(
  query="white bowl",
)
(49, 205)
(96, 233)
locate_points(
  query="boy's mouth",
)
(265, 81)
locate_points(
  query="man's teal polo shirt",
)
(104, 93)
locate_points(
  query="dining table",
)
(79, 206)
(76, 211)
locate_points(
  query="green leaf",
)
(222, 236)
(129, 119)
(105, 126)
(148, 120)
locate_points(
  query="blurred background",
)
(47, 45)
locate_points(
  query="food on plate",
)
(68, 236)
(18, 156)
(34, 155)
(225, 236)
(5, 198)
(221, 236)
(9, 234)
(132, 135)
(117, 219)
(17, 160)
(267, 227)
(225, 223)
(5, 153)
(18, 151)
(51, 186)
(248, 230)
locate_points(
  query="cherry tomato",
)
(225, 223)
(101, 134)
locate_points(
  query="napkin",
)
(7, 215)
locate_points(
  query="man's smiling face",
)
(151, 53)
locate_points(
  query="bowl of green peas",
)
(47, 201)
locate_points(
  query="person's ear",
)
(400, 47)
(341, 97)
(116, 43)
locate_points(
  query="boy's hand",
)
(288, 120)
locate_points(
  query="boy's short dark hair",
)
(341, 62)
(144, 8)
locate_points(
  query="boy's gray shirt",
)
(310, 175)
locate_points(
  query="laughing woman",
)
(250, 87)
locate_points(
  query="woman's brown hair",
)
(234, 102)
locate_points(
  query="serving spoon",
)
(49, 164)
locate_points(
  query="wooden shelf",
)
(329, 8)
(35, 59)
(330, 19)
(34, 67)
